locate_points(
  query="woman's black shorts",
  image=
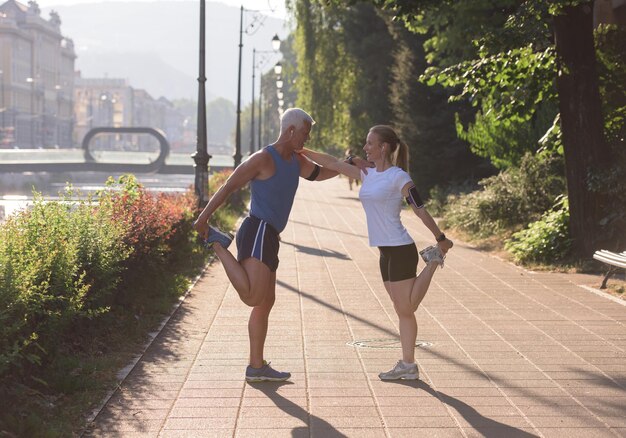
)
(398, 262)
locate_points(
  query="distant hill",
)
(144, 70)
(155, 45)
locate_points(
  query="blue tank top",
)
(272, 198)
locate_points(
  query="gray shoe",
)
(265, 373)
(433, 254)
(218, 236)
(401, 370)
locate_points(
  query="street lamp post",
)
(31, 81)
(278, 68)
(260, 110)
(201, 157)
(275, 48)
(275, 45)
(3, 109)
(237, 155)
(252, 115)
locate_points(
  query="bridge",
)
(88, 160)
(73, 160)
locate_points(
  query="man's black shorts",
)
(258, 239)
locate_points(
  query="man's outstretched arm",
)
(331, 166)
(243, 174)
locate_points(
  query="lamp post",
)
(31, 81)
(275, 40)
(58, 124)
(237, 155)
(252, 116)
(260, 109)
(201, 156)
(3, 109)
(275, 48)
(278, 68)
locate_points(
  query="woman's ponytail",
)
(402, 157)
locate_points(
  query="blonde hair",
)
(399, 151)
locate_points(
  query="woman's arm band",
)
(414, 198)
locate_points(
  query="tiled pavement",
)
(505, 352)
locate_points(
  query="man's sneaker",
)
(401, 370)
(217, 236)
(433, 254)
(265, 373)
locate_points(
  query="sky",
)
(270, 7)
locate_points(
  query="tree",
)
(425, 121)
(586, 152)
(343, 74)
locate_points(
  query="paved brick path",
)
(506, 352)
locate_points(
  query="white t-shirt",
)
(381, 196)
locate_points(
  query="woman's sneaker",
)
(218, 236)
(433, 254)
(401, 370)
(265, 373)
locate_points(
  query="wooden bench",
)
(613, 259)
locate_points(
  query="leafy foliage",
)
(611, 54)
(58, 261)
(517, 95)
(508, 200)
(341, 73)
(424, 119)
(545, 240)
(506, 141)
(75, 298)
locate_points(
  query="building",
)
(112, 102)
(37, 78)
(101, 102)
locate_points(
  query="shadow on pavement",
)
(363, 236)
(484, 425)
(317, 252)
(270, 389)
(337, 309)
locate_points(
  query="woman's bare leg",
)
(421, 284)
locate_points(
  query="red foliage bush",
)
(151, 220)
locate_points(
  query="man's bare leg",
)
(258, 323)
(249, 277)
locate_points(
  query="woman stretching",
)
(381, 194)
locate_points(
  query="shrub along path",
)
(506, 352)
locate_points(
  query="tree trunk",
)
(581, 124)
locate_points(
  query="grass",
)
(75, 382)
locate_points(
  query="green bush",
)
(81, 283)
(57, 261)
(508, 200)
(546, 240)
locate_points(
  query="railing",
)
(86, 160)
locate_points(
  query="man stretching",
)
(273, 174)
